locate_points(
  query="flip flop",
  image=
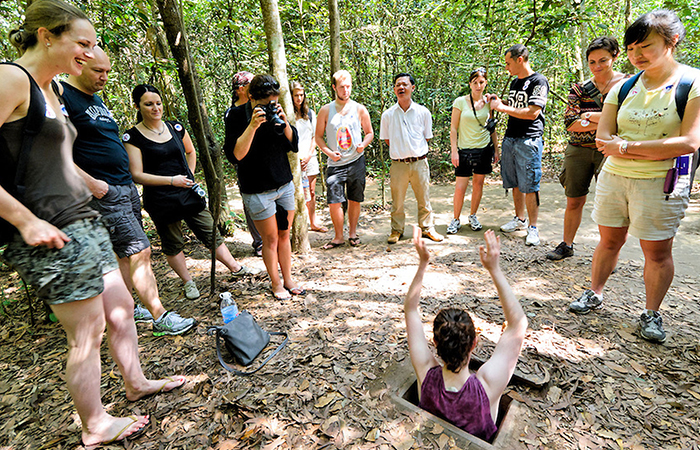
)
(320, 229)
(281, 297)
(332, 244)
(296, 290)
(133, 436)
(354, 241)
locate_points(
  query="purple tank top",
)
(468, 409)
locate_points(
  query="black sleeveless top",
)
(54, 191)
(165, 159)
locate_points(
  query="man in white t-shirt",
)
(406, 128)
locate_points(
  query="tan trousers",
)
(417, 174)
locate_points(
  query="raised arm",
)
(497, 371)
(246, 139)
(421, 356)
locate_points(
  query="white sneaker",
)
(474, 223)
(191, 290)
(453, 227)
(514, 225)
(533, 236)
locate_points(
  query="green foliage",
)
(438, 41)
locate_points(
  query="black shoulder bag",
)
(245, 340)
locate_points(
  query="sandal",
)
(354, 241)
(281, 297)
(296, 290)
(320, 229)
(332, 245)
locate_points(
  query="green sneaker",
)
(171, 323)
(142, 315)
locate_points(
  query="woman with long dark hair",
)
(162, 158)
(308, 158)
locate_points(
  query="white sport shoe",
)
(453, 227)
(191, 290)
(474, 223)
(533, 236)
(514, 225)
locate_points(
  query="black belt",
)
(411, 159)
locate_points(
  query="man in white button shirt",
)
(406, 128)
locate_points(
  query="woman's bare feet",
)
(114, 429)
(152, 387)
(319, 228)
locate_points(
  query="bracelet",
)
(171, 180)
(623, 147)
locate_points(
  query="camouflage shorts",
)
(70, 274)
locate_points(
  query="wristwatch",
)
(585, 122)
(623, 147)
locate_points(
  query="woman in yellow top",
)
(643, 138)
(473, 147)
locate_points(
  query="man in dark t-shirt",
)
(103, 163)
(521, 151)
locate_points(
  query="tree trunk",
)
(334, 24)
(209, 151)
(278, 62)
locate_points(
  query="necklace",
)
(606, 86)
(154, 131)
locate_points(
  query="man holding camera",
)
(406, 128)
(343, 121)
(104, 165)
(521, 150)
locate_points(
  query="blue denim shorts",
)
(264, 205)
(521, 164)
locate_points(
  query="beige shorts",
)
(639, 204)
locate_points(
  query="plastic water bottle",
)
(229, 309)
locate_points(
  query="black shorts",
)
(351, 177)
(475, 161)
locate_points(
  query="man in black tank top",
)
(104, 165)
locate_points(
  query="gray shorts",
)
(264, 205)
(121, 213)
(521, 164)
(70, 274)
(351, 177)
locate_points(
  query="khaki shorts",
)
(173, 241)
(639, 204)
(70, 274)
(581, 164)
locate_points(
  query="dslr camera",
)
(271, 116)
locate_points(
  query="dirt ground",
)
(329, 387)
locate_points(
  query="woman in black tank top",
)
(55, 228)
